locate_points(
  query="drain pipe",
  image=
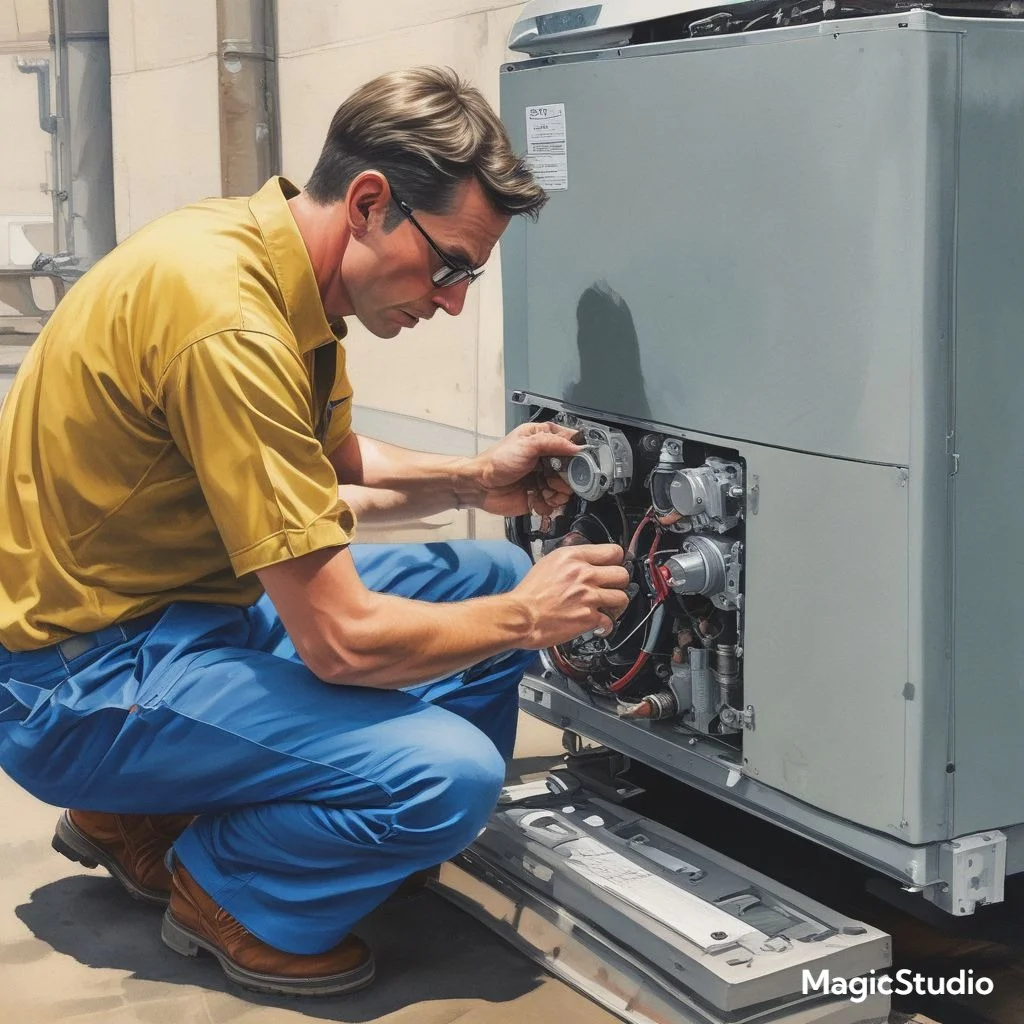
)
(84, 138)
(247, 78)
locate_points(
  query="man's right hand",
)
(573, 590)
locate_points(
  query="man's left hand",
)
(512, 476)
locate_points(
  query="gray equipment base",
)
(936, 870)
(656, 927)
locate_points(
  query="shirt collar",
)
(292, 269)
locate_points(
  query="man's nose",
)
(452, 299)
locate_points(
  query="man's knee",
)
(448, 799)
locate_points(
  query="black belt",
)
(82, 643)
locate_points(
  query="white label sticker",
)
(546, 150)
(551, 172)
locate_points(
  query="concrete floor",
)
(74, 947)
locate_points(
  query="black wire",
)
(625, 521)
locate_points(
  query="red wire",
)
(636, 533)
(564, 665)
(623, 681)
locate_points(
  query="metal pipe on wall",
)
(247, 81)
(84, 182)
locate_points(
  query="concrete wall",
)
(25, 166)
(163, 66)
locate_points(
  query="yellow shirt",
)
(166, 434)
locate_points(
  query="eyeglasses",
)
(451, 272)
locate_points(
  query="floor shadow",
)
(521, 767)
(425, 948)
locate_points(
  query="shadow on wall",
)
(610, 374)
(425, 948)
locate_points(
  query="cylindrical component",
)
(730, 691)
(695, 491)
(662, 704)
(690, 573)
(725, 662)
(670, 459)
(654, 707)
(701, 567)
(726, 672)
(703, 687)
(585, 476)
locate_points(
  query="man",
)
(192, 653)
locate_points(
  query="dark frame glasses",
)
(451, 273)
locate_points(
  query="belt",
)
(82, 643)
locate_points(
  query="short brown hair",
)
(426, 130)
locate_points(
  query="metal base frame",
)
(599, 967)
(937, 869)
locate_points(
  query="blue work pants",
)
(314, 800)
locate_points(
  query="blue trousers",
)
(314, 801)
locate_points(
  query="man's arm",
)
(346, 633)
(382, 481)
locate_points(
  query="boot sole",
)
(74, 844)
(188, 943)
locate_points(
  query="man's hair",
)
(427, 131)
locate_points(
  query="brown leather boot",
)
(194, 921)
(130, 846)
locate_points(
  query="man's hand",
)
(573, 590)
(512, 478)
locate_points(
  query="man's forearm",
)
(404, 642)
(396, 483)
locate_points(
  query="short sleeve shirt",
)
(168, 433)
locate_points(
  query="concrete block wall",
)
(25, 167)
(163, 67)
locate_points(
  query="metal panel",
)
(716, 939)
(826, 634)
(989, 677)
(723, 257)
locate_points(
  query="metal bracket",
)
(742, 719)
(41, 68)
(602, 771)
(754, 495)
(973, 872)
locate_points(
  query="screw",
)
(719, 935)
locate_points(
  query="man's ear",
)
(366, 202)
